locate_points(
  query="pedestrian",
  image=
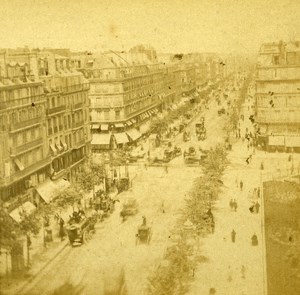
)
(254, 240)
(231, 204)
(243, 271)
(251, 208)
(233, 235)
(241, 185)
(257, 207)
(258, 192)
(144, 221)
(166, 168)
(61, 229)
(235, 205)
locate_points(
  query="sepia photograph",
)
(149, 147)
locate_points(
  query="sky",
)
(224, 26)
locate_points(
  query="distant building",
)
(125, 91)
(278, 96)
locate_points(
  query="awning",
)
(95, 126)
(53, 148)
(19, 164)
(48, 188)
(292, 141)
(26, 208)
(129, 123)
(133, 121)
(276, 140)
(101, 139)
(59, 147)
(104, 127)
(119, 125)
(121, 138)
(134, 134)
(64, 145)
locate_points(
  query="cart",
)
(143, 234)
(130, 208)
(79, 233)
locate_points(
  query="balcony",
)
(78, 124)
(77, 106)
(76, 87)
(80, 143)
(287, 72)
(27, 146)
(3, 105)
(26, 172)
(25, 124)
(284, 117)
(56, 110)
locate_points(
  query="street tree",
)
(159, 125)
(68, 197)
(173, 275)
(91, 175)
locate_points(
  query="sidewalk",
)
(40, 261)
(40, 255)
(234, 267)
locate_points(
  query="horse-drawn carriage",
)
(144, 233)
(221, 111)
(201, 130)
(123, 184)
(186, 136)
(191, 157)
(80, 232)
(130, 208)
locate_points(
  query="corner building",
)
(278, 96)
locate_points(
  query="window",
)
(106, 115)
(32, 134)
(24, 137)
(117, 114)
(276, 60)
(291, 58)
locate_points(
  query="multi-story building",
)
(24, 160)
(124, 92)
(45, 124)
(278, 96)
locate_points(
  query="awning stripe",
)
(101, 139)
(134, 134)
(121, 138)
(26, 208)
(104, 127)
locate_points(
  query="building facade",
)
(124, 93)
(45, 124)
(278, 96)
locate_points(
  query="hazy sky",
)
(168, 25)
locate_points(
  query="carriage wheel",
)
(85, 237)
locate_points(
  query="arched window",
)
(30, 114)
(39, 111)
(14, 117)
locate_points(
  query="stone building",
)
(44, 126)
(278, 96)
(124, 92)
